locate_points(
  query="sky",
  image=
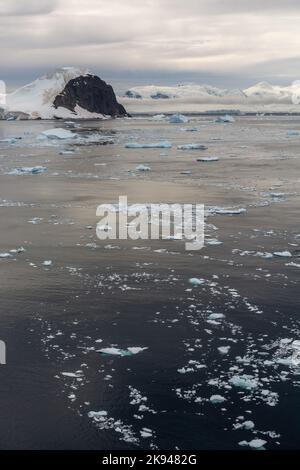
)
(230, 43)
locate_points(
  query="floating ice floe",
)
(66, 152)
(292, 133)
(294, 359)
(226, 118)
(226, 211)
(248, 425)
(254, 444)
(295, 265)
(246, 382)
(216, 399)
(196, 282)
(155, 145)
(72, 375)
(121, 352)
(213, 242)
(35, 170)
(143, 168)
(192, 147)
(5, 255)
(145, 432)
(11, 140)
(158, 117)
(224, 349)
(97, 414)
(216, 316)
(47, 263)
(178, 119)
(207, 159)
(260, 254)
(283, 254)
(58, 133)
(189, 129)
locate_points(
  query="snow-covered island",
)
(68, 92)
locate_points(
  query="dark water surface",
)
(137, 293)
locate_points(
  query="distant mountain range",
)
(263, 93)
(69, 92)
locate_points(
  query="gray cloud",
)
(26, 7)
(204, 38)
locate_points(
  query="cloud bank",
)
(198, 37)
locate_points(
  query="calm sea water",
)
(201, 376)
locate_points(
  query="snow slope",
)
(36, 98)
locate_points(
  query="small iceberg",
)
(216, 316)
(35, 170)
(192, 147)
(12, 140)
(58, 133)
(97, 414)
(216, 399)
(178, 119)
(226, 118)
(246, 382)
(248, 425)
(47, 263)
(283, 254)
(292, 133)
(155, 145)
(207, 159)
(228, 211)
(158, 117)
(224, 349)
(257, 444)
(143, 168)
(5, 255)
(196, 282)
(121, 352)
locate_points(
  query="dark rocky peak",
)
(92, 94)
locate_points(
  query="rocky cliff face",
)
(90, 93)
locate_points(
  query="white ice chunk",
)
(207, 159)
(257, 443)
(216, 316)
(224, 349)
(143, 168)
(155, 145)
(158, 117)
(122, 352)
(59, 133)
(196, 282)
(192, 147)
(97, 414)
(178, 119)
(283, 254)
(47, 263)
(246, 382)
(216, 399)
(35, 170)
(226, 118)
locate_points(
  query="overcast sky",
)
(229, 42)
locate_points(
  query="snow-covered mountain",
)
(37, 99)
(267, 93)
(190, 91)
(263, 93)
